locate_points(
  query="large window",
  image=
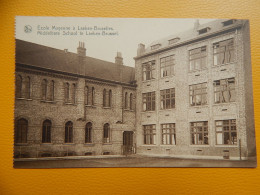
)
(88, 133)
(224, 90)
(46, 131)
(167, 66)
(73, 93)
(69, 132)
(44, 89)
(199, 133)
(223, 52)
(226, 132)
(27, 87)
(51, 98)
(126, 100)
(148, 70)
(168, 134)
(18, 86)
(67, 92)
(131, 102)
(107, 98)
(149, 101)
(168, 98)
(106, 136)
(21, 130)
(198, 58)
(198, 94)
(149, 134)
(89, 95)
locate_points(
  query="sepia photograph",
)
(133, 92)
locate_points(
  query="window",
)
(148, 70)
(18, 85)
(153, 47)
(51, 98)
(89, 95)
(168, 98)
(106, 137)
(67, 92)
(149, 134)
(73, 93)
(126, 100)
(21, 131)
(46, 131)
(131, 102)
(107, 98)
(226, 132)
(27, 88)
(167, 66)
(149, 101)
(198, 58)
(168, 134)
(229, 22)
(199, 133)
(224, 90)
(223, 52)
(172, 41)
(198, 94)
(204, 30)
(88, 133)
(93, 96)
(69, 132)
(44, 89)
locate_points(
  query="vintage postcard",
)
(133, 92)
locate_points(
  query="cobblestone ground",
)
(131, 161)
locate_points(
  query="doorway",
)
(127, 142)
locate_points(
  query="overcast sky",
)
(129, 33)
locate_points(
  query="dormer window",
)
(229, 22)
(174, 40)
(153, 47)
(203, 30)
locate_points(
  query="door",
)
(127, 142)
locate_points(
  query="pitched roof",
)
(36, 55)
(214, 27)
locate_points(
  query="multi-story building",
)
(189, 95)
(70, 104)
(194, 94)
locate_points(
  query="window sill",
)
(29, 99)
(107, 107)
(167, 145)
(149, 145)
(196, 71)
(168, 109)
(46, 143)
(153, 111)
(167, 77)
(199, 145)
(69, 144)
(107, 143)
(219, 65)
(147, 81)
(199, 106)
(223, 103)
(90, 106)
(89, 144)
(226, 145)
(68, 103)
(20, 98)
(48, 101)
(21, 144)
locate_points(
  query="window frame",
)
(68, 132)
(44, 88)
(149, 101)
(199, 131)
(19, 86)
(46, 132)
(197, 57)
(164, 66)
(226, 54)
(88, 133)
(196, 91)
(148, 70)
(149, 132)
(164, 99)
(170, 134)
(106, 133)
(226, 128)
(21, 131)
(224, 88)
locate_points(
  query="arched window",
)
(126, 100)
(106, 138)
(104, 98)
(88, 133)
(46, 131)
(67, 92)
(110, 98)
(27, 88)
(69, 132)
(86, 95)
(21, 131)
(73, 93)
(93, 96)
(52, 91)
(18, 85)
(44, 89)
(131, 102)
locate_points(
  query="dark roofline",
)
(72, 74)
(196, 39)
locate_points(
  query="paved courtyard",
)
(130, 161)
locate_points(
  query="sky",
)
(126, 33)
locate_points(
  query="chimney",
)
(141, 49)
(119, 59)
(81, 49)
(196, 25)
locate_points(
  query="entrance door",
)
(127, 142)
